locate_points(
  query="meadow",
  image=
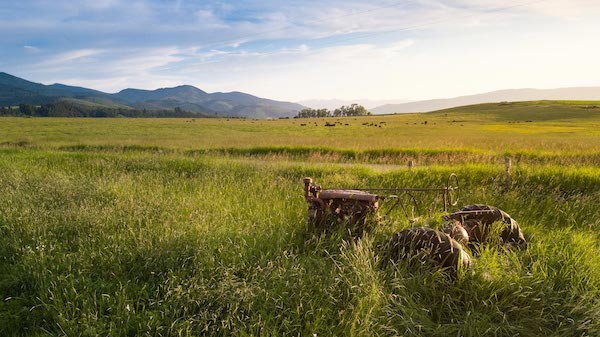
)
(179, 227)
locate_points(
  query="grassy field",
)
(551, 127)
(129, 227)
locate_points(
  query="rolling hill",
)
(511, 95)
(187, 97)
(15, 90)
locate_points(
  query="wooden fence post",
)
(507, 167)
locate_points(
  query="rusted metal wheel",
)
(452, 190)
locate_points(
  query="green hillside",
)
(530, 110)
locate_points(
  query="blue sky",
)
(295, 50)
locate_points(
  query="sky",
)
(305, 49)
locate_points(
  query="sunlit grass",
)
(557, 128)
(180, 228)
(135, 243)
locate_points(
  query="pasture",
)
(178, 227)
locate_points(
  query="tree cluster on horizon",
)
(343, 111)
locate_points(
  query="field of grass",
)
(549, 127)
(127, 227)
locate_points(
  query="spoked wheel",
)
(452, 190)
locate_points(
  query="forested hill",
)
(184, 101)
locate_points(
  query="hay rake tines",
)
(449, 193)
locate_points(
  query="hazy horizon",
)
(305, 50)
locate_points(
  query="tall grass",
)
(144, 242)
(381, 156)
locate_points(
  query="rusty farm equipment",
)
(355, 207)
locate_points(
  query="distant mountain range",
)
(15, 90)
(511, 95)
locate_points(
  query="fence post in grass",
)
(411, 164)
(507, 167)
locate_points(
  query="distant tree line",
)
(67, 109)
(343, 111)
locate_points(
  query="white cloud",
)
(143, 61)
(291, 50)
(396, 47)
(99, 4)
(208, 20)
(70, 57)
(430, 68)
(112, 70)
(567, 9)
(31, 49)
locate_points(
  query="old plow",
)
(356, 206)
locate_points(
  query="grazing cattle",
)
(420, 243)
(478, 219)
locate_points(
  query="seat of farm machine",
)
(359, 207)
